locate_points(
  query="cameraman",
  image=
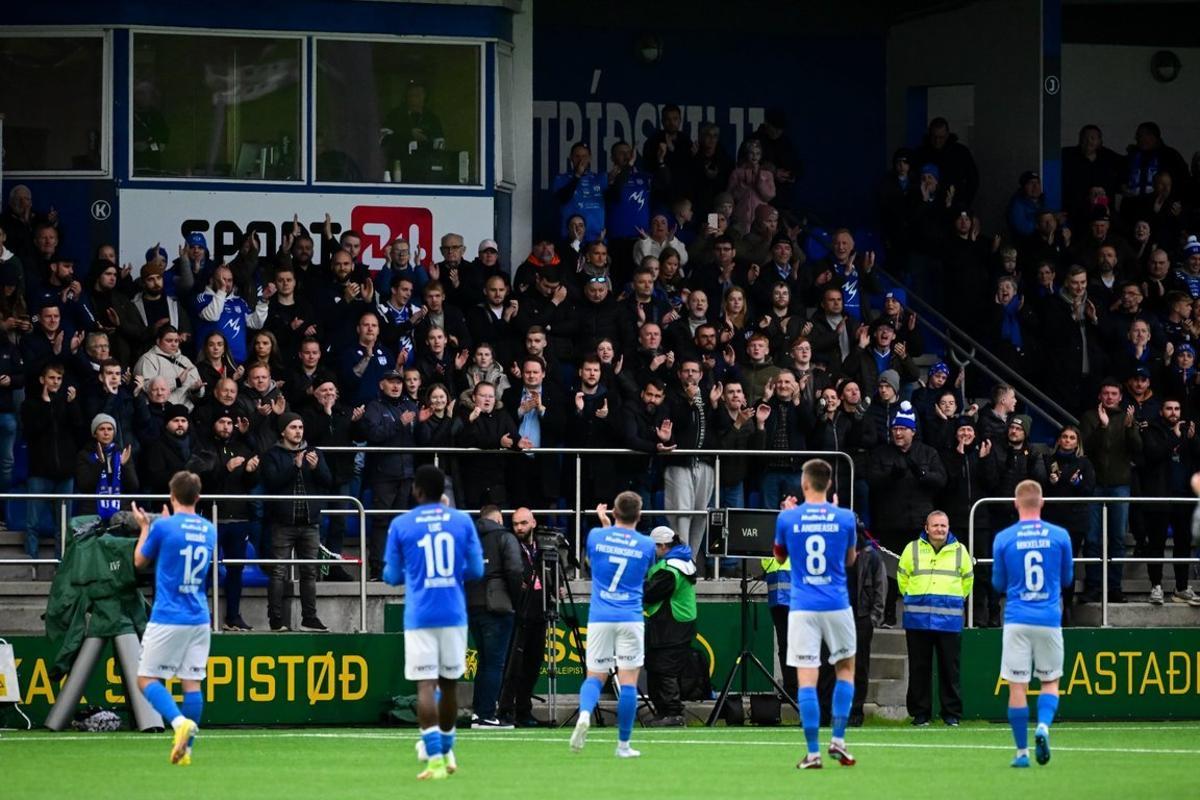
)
(490, 612)
(529, 639)
(670, 600)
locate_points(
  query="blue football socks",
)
(1018, 718)
(843, 698)
(1047, 707)
(162, 701)
(432, 737)
(810, 717)
(589, 694)
(626, 712)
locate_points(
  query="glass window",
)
(52, 97)
(397, 112)
(216, 107)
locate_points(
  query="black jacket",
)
(485, 433)
(212, 465)
(1076, 478)
(1168, 461)
(165, 456)
(728, 437)
(1013, 465)
(330, 430)
(281, 476)
(50, 430)
(499, 590)
(903, 487)
(382, 426)
(968, 478)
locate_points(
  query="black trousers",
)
(779, 618)
(922, 647)
(1179, 518)
(392, 494)
(524, 667)
(864, 632)
(664, 665)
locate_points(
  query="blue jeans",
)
(491, 634)
(778, 484)
(43, 514)
(733, 496)
(232, 537)
(1118, 521)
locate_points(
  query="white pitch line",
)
(561, 740)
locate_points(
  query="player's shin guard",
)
(843, 698)
(447, 739)
(1018, 719)
(162, 701)
(810, 717)
(626, 712)
(589, 694)
(432, 737)
(1047, 707)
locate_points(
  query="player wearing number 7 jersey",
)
(620, 558)
(175, 644)
(820, 539)
(433, 550)
(1032, 564)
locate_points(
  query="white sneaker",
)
(1156, 596)
(579, 735)
(422, 755)
(625, 751)
(1185, 595)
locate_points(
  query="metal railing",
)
(996, 369)
(1104, 559)
(215, 499)
(578, 512)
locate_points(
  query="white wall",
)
(1111, 86)
(522, 143)
(996, 46)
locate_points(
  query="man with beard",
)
(157, 309)
(171, 452)
(601, 317)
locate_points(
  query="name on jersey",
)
(1032, 544)
(1030, 597)
(817, 527)
(195, 537)
(616, 597)
(440, 583)
(614, 550)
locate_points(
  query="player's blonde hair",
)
(1028, 494)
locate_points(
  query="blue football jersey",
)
(817, 536)
(620, 560)
(631, 209)
(1033, 563)
(182, 546)
(433, 550)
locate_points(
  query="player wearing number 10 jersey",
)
(433, 550)
(820, 539)
(1032, 564)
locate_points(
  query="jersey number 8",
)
(814, 555)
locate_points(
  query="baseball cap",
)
(489, 244)
(393, 374)
(662, 535)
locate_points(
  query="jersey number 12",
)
(195, 559)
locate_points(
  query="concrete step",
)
(887, 693)
(888, 642)
(1137, 615)
(888, 668)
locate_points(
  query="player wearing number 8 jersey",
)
(620, 558)
(1032, 564)
(175, 644)
(820, 538)
(433, 550)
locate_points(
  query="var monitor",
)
(741, 532)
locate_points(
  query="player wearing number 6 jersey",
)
(820, 539)
(616, 638)
(175, 644)
(1032, 564)
(433, 550)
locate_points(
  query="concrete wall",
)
(996, 46)
(522, 226)
(1111, 86)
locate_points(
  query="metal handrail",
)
(1021, 385)
(1103, 560)
(214, 499)
(578, 512)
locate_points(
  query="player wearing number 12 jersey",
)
(1032, 564)
(433, 550)
(620, 557)
(175, 644)
(820, 539)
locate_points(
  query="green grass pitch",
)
(1090, 760)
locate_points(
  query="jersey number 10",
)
(439, 554)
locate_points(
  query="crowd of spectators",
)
(674, 304)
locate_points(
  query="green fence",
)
(330, 679)
(1108, 673)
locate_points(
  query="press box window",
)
(226, 107)
(52, 97)
(396, 112)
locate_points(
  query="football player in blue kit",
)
(616, 634)
(433, 550)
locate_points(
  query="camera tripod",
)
(745, 658)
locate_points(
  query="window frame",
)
(105, 35)
(480, 44)
(302, 140)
